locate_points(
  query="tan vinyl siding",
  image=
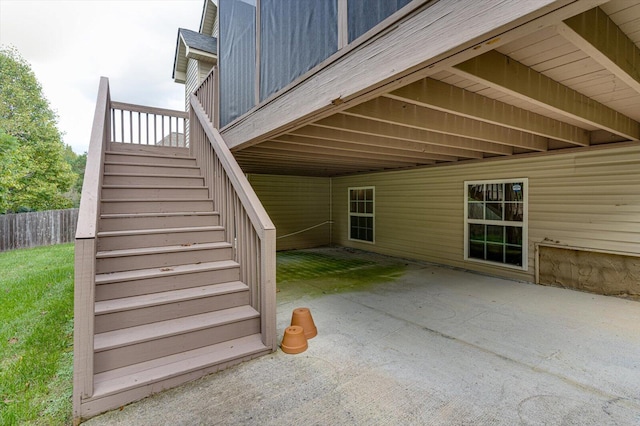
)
(192, 81)
(586, 199)
(203, 71)
(294, 204)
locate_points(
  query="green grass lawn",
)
(36, 335)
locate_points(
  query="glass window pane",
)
(513, 255)
(494, 192)
(369, 207)
(493, 211)
(369, 194)
(476, 232)
(360, 207)
(476, 250)
(495, 234)
(514, 212)
(514, 191)
(495, 252)
(353, 207)
(513, 235)
(353, 231)
(476, 192)
(476, 211)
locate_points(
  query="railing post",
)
(85, 251)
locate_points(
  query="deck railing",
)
(143, 125)
(247, 225)
(85, 250)
(208, 96)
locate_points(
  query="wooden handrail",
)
(149, 110)
(258, 215)
(89, 203)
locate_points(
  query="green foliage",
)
(36, 335)
(35, 175)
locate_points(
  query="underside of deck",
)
(489, 82)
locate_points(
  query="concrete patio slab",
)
(409, 343)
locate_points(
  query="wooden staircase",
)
(169, 303)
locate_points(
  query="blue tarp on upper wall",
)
(362, 15)
(237, 58)
(295, 36)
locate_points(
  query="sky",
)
(70, 44)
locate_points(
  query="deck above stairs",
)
(169, 302)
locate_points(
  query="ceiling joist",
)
(597, 35)
(358, 141)
(311, 146)
(387, 131)
(444, 97)
(335, 158)
(505, 74)
(406, 114)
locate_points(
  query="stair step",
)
(148, 158)
(144, 205)
(151, 179)
(128, 346)
(156, 192)
(118, 240)
(153, 149)
(144, 168)
(145, 281)
(127, 221)
(159, 257)
(120, 386)
(144, 309)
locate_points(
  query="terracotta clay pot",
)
(303, 318)
(294, 341)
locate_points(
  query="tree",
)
(34, 174)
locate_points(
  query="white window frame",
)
(524, 224)
(372, 215)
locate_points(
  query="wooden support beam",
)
(406, 114)
(293, 141)
(448, 98)
(406, 137)
(356, 141)
(505, 74)
(298, 144)
(597, 35)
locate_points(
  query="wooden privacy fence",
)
(34, 229)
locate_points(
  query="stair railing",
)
(145, 125)
(85, 250)
(208, 96)
(247, 224)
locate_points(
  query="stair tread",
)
(124, 163)
(144, 373)
(147, 186)
(164, 249)
(138, 274)
(155, 299)
(149, 154)
(157, 214)
(160, 231)
(129, 200)
(159, 175)
(161, 329)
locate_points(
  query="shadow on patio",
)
(402, 342)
